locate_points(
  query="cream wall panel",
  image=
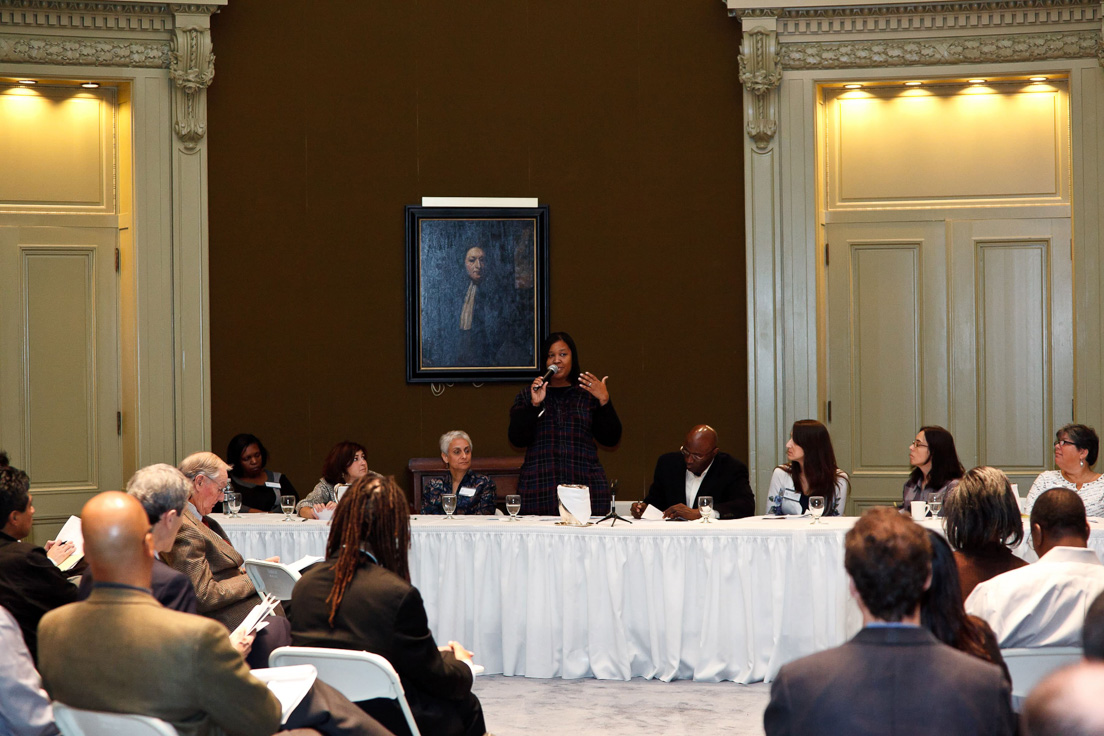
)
(60, 370)
(1012, 344)
(56, 149)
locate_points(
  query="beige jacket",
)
(120, 651)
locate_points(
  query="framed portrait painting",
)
(476, 293)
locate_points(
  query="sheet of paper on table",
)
(288, 684)
(71, 532)
(651, 513)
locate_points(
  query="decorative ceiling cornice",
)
(79, 51)
(98, 17)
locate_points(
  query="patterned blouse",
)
(323, 493)
(1092, 493)
(784, 500)
(480, 502)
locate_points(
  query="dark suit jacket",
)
(172, 589)
(726, 482)
(30, 585)
(382, 613)
(890, 682)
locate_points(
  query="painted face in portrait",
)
(473, 262)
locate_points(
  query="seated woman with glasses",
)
(475, 493)
(811, 471)
(361, 598)
(935, 466)
(1075, 450)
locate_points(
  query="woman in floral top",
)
(475, 494)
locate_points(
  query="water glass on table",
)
(287, 505)
(448, 503)
(513, 506)
(705, 506)
(816, 508)
(233, 504)
(935, 506)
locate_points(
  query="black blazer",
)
(30, 585)
(172, 589)
(383, 614)
(726, 482)
(890, 682)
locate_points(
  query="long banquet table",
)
(731, 600)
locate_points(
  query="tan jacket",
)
(223, 591)
(121, 651)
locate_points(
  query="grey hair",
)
(159, 488)
(202, 463)
(448, 437)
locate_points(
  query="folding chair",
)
(1029, 665)
(77, 722)
(271, 577)
(356, 675)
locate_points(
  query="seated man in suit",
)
(893, 677)
(175, 666)
(203, 553)
(698, 469)
(1066, 703)
(30, 582)
(1044, 604)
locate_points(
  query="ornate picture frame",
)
(476, 293)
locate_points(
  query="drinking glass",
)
(816, 507)
(936, 507)
(705, 506)
(287, 504)
(233, 504)
(448, 503)
(513, 505)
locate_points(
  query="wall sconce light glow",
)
(976, 81)
(913, 84)
(852, 86)
(1038, 79)
(90, 85)
(28, 81)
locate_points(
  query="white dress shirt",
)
(1043, 604)
(26, 710)
(693, 483)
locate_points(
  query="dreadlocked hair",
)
(373, 516)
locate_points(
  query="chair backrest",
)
(77, 722)
(1028, 666)
(356, 675)
(271, 577)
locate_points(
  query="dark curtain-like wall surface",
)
(326, 118)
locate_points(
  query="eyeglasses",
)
(694, 455)
(917, 443)
(225, 488)
(1059, 443)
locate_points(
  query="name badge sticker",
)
(272, 484)
(469, 492)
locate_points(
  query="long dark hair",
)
(372, 516)
(941, 609)
(944, 458)
(552, 339)
(236, 447)
(819, 463)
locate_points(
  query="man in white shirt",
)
(1044, 604)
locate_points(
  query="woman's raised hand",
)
(537, 391)
(596, 388)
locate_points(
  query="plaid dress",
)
(561, 446)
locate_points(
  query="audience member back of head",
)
(1066, 703)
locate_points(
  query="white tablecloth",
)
(731, 600)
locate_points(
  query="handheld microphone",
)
(552, 370)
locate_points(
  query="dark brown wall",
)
(326, 118)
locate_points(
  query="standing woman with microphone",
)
(560, 418)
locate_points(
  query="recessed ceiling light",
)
(976, 81)
(90, 85)
(913, 84)
(28, 81)
(1038, 79)
(852, 86)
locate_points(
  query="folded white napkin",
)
(574, 504)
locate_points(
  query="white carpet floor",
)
(517, 705)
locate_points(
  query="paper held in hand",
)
(71, 532)
(255, 621)
(289, 684)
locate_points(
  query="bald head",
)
(699, 448)
(117, 540)
(1067, 703)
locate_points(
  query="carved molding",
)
(101, 16)
(760, 73)
(75, 51)
(954, 50)
(192, 71)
